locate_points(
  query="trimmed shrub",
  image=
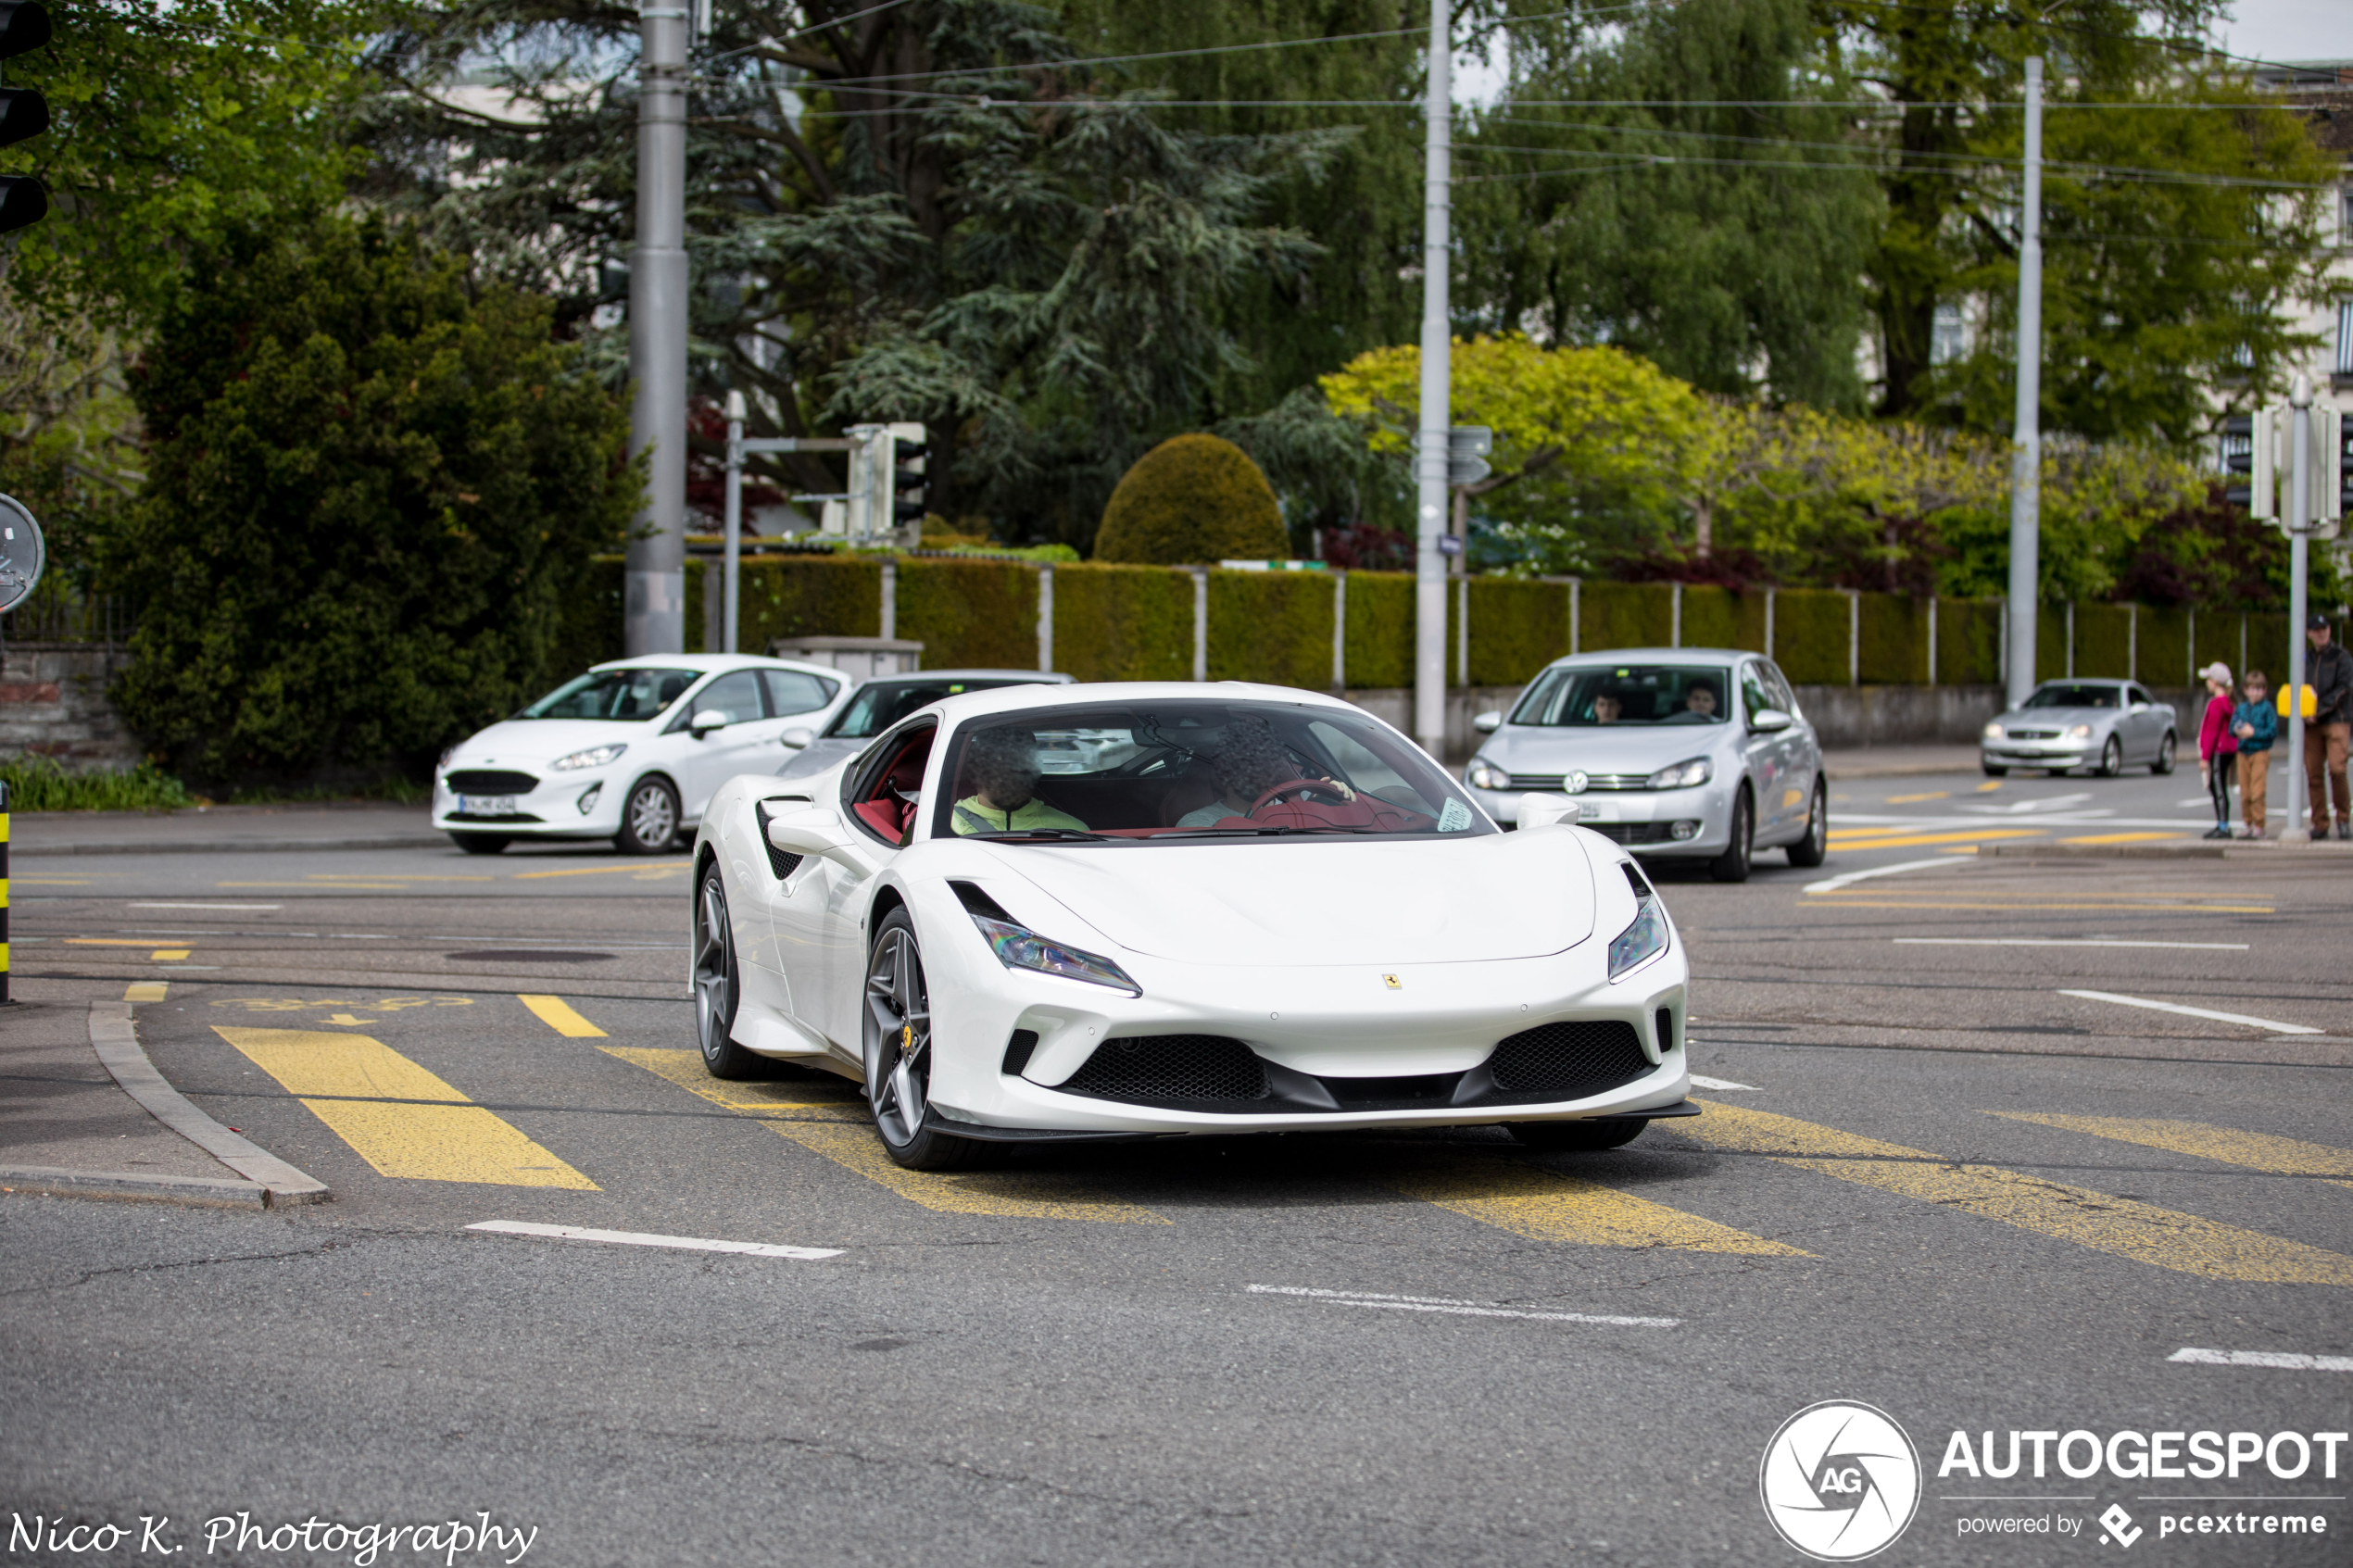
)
(1124, 622)
(2051, 643)
(806, 596)
(1809, 635)
(2165, 647)
(1894, 640)
(969, 614)
(1517, 628)
(1190, 500)
(1968, 642)
(1712, 618)
(1625, 615)
(1380, 629)
(1273, 626)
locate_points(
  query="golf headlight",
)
(1993, 732)
(1017, 947)
(2081, 731)
(1680, 776)
(595, 757)
(1640, 940)
(1484, 774)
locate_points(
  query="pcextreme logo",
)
(1841, 1481)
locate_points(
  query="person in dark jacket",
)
(2331, 674)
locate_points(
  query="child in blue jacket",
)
(2257, 724)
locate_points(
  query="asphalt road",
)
(1929, 1179)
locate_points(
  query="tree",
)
(170, 127)
(1190, 499)
(371, 495)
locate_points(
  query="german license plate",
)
(486, 806)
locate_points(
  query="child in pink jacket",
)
(2217, 748)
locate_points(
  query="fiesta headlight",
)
(2079, 732)
(1993, 732)
(595, 757)
(1017, 947)
(1483, 774)
(1643, 939)
(1681, 775)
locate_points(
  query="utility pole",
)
(2300, 535)
(654, 617)
(2026, 454)
(731, 587)
(1431, 446)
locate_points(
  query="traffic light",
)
(24, 27)
(906, 457)
(2247, 449)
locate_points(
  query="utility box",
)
(860, 659)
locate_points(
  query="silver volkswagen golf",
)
(1676, 753)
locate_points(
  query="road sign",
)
(1466, 450)
(21, 554)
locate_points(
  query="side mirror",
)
(1546, 810)
(811, 832)
(1767, 720)
(1488, 723)
(709, 719)
(798, 737)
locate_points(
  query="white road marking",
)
(1720, 1084)
(2273, 1025)
(2282, 1361)
(1441, 1304)
(2058, 941)
(207, 906)
(640, 1238)
(2028, 807)
(1833, 884)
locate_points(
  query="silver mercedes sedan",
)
(2107, 725)
(1697, 754)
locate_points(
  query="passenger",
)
(1701, 698)
(1606, 708)
(1248, 762)
(1003, 765)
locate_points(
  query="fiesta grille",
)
(1635, 833)
(1592, 781)
(490, 781)
(1568, 1061)
(1166, 1069)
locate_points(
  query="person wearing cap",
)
(2255, 725)
(2217, 748)
(2331, 674)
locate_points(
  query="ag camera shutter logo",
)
(1839, 1481)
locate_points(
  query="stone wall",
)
(53, 703)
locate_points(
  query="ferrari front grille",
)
(1568, 1061)
(1171, 1069)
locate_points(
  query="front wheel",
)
(2111, 758)
(1996, 770)
(2164, 763)
(897, 1041)
(649, 821)
(1733, 863)
(1576, 1137)
(1808, 852)
(718, 984)
(481, 843)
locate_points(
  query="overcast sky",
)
(2291, 30)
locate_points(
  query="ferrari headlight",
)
(2081, 731)
(1645, 938)
(1993, 732)
(1017, 947)
(1484, 774)
(595, 757)
(1680, 776)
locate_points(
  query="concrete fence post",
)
(1340, 631)
(1462, 629)
(2132, 642)
(1576, 597)
(1932, 641)
(2070, 639)
(1045, 618)
(1675, 616)
(2192, 680)
(890, 603)
(1768, 622)
(1853, 637)
(2002, 655)
(1200, 623)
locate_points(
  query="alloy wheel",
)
(714, 972)
(653, 816)
(897, 1042)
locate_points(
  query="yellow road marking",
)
(1989, 786)
(1902, 840)
(168, 954)
(1543, 1206)
(52, 881)
(2121, 1226)
(661, 867)
(844, 1133)
(1884, 903)
(144, 990)
(2124, 838)
(338, 886)
(2257, 1151)
(346, 1017)
(110, 941)
(453, 1141)
(1908, 799)
(557, 1014)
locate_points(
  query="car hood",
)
(1602, 749)
(525, 743)
(1278, 904)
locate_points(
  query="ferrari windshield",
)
(1627, 693)
(613, 694)
(1187, 772)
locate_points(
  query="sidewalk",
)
(69, 1125)
(1899, 762)
(364, 825)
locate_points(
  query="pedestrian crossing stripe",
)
(2257, 1151)
(561, 1016)
(2120, 1226)
(369, 1096)
(830, 1118)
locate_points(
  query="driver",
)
(1003, 765)
(1606, 708)
(1701, 699)
(1248, 762)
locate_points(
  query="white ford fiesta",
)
(1253, 909)
(630, 751)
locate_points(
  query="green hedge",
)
(802, 596)
(969, 614)
(1274, 626)
(2102, 640)
(1380, 629)
(1126, 622)
(1809, 635)
(2165, 647)
(1517, 628)
(1968, 642)
(1624, 615)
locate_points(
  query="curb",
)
(2216, 849)
(117, 1043)
(26, 849)
(215, 1192)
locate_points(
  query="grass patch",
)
(400, 792)
(39, 783)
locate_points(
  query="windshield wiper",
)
(1257, 833)
(1048, 835)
